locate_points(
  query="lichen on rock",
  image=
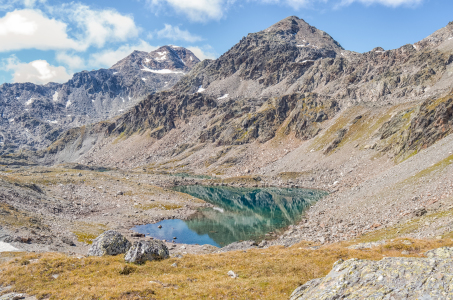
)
(389, 278)
(109, 243)
(143, 251)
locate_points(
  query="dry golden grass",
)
(15, 218)
(159, 205)
(263, 273)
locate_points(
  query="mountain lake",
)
(239, 214)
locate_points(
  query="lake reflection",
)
(239, 214)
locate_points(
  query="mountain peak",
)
(297, 31)
(169, 57)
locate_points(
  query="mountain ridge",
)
(33, 115)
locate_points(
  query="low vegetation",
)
(271, 273)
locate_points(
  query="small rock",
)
(232, 274)
(12, 296)
(174, 238)
(119, 193)
(174, 265)
(160, 226)
(68, 241)
(55, 276)
(405, 252)
(420, 212)
(262, 244)
(137, 235)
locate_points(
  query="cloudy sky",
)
(45, 41)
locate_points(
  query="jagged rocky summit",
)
(33, 115)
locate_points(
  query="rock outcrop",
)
(389, 278)
(143, 251)
(109, 243)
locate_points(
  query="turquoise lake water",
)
(239, 214)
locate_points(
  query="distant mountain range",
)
(32, 116)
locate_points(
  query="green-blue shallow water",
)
(239, 214)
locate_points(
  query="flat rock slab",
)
(15, 296)
(389, 278)
(5, 247)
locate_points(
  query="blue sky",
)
(49, 40)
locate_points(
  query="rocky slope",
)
(291, 105)
(34, 115)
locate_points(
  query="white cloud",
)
(295, 4)
(196, 10)
(109, 57)
(25, 29)
(38, 71)
(392, 3)
(205, 52)
(73, 61)
(205, 10)
(11, 4)
(176, 34)
(101, 26)
(32, 29)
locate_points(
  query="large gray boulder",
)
(109, 243)
(389, 278)
(142, 251)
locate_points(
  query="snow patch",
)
(147, 60)
(52, 122)
(191, 58)
(11, 120)
(201, 89)
(123, 99)
(121, 110)
(29, 101)
(309, 60)
(219, 209)
(5, 247)
(163, 71)
(129, 98)
(144, 79)
(450, 38)
(223, 97)
(161, 58)
(55, 97)
(115, 73)
(68, 103)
